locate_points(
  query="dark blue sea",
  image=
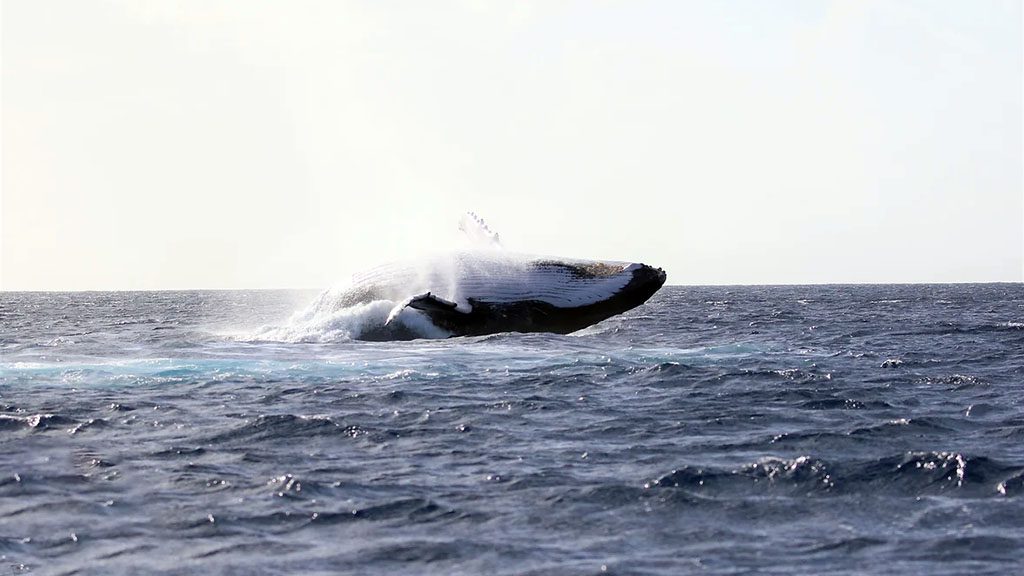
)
(714, 430)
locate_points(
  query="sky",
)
(272, 144)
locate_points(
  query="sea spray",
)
(321, 322)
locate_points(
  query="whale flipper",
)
(429, 304)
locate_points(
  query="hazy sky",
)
(247, 144)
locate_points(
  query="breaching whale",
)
(489, 290)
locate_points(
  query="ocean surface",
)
(714, 430)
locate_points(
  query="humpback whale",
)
(489, 290)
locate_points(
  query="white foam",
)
(320, 323)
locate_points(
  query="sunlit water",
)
(716, 430)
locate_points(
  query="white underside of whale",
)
(498, 277)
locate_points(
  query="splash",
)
(361, 310)
(334, 316)
(374, 305)
(324, 321)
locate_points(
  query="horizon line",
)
(693, 285)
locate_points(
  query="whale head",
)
(510, 292)
(602, 290)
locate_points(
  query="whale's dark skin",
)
(525, 315)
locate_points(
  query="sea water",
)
(718, 430)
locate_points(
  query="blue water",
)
(718, 430)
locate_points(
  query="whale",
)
(488, 290)
(479, 293)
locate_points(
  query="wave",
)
(909, 473)
(286, 426)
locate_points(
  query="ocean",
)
(713, 430)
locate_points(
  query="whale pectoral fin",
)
(430, 303)
(401, 306)
(427, 303)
